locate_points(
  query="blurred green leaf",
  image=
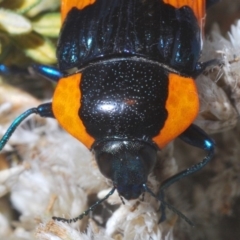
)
(36, 47)
(44, 6)
(26, 27)
(47, 24)
(14, 23)
(20, 6)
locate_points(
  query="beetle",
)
(126, 88)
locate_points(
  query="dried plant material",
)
(14, 23)
(5, 229)
(219, 86)
(60, 230)
(31, 8)
(43, 6)
(42, 26)
(36, 47)
(216, 110)
(6, 176)
(19, 42)
(15, 98)
(21, 6)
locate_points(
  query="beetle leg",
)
(4, 70)
(11, 70)
(44, 110)
(50, 73)
(201, 66)
(162, 208)
(169, 206)
(196, 137)
(209, 3)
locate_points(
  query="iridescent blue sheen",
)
(4, 69)
(51, 73)
(14, 125)
(43, 110)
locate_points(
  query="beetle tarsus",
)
(169, 206)
(202, 66)
(196, 137)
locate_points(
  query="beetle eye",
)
(104, 161)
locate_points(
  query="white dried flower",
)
(219, 86)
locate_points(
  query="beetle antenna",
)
(85, 213)
(169, 206)
(14, 125)
(143, 196)
(122, 199)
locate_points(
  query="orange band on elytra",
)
(67, 5)
(66, 104)
(182, 106)
(198, 7)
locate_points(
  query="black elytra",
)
(149, 29)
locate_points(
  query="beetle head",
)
(127, 163)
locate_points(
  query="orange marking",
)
(198, 7)
(67, 5)
(182, 106)
(66, 104)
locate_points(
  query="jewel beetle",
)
(126, 88)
